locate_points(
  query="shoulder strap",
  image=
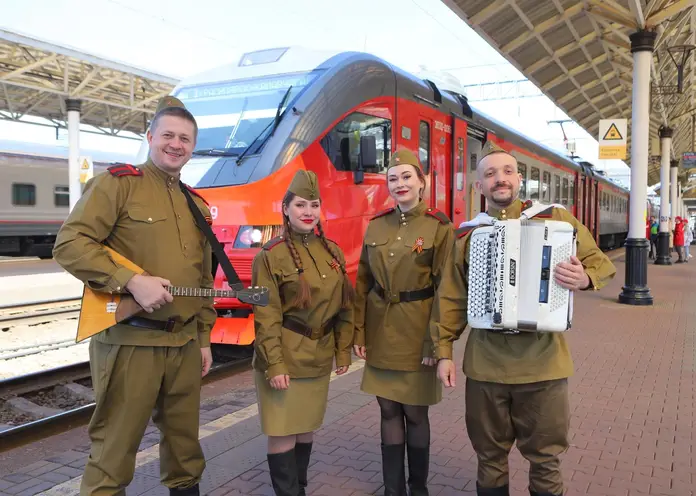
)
(439, 215)
(232, 277)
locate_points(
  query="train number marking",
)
(213, 212)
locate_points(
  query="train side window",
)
(342, 143)
(61, 196)
(23, 195)
(557, 188)
(522, 169)
(564, 192)
(424, 146)
(546, 187)
(460, 164)
(571, 194)
(534, 184)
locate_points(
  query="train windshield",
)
(233, 116)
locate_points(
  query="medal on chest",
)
(418, 245)
(334, 264)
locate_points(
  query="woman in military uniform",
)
(400, 266)
(307, 323)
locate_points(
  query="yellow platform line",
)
(72, 486)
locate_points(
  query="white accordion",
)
(511, 276)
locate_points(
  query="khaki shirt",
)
(395, 335)
(280, 351)
(509, 358)
(147, 220)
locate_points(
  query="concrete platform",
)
(632, 417)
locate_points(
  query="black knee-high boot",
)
(283, 467)
(189, 491)
(302, 454)
(418, 465)
(535, 493)
(493, 491)
(393, 469)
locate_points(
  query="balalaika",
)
(512, 264)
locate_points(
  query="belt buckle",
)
(393, 297)
(170, 325)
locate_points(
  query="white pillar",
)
(75, 186)
(663, 257)
(635, 290)
(673, 191)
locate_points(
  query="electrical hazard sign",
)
(612, 139)
(86, 169)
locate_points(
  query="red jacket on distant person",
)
(679, 232)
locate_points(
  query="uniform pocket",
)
(147, 216)
(375, 246)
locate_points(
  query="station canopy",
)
(579, 55)
(36, 77)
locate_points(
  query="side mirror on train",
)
(367, 160)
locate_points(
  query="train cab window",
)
(556, 188)
(564, 192)
(522, 169)
(571, 194)
(23, 195)
(546, 187)
(460, 164)
(342, 143)
(534, 184)
(424, 146)
(61, 196)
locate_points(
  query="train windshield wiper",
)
(216, 152)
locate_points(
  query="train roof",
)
(41, 150)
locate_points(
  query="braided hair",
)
(348, 291)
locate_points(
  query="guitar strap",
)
(232, 277)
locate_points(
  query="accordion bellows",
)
(511, 276)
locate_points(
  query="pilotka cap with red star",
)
(402, 157)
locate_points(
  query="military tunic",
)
(141, 213)
(516, 388)
(402, 252)
(279, 350)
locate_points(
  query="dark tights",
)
(417, 425)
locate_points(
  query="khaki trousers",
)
(536, 415)
(129, 383)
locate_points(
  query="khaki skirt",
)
(420, 388)
(295, 410)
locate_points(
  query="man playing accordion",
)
(516, 382)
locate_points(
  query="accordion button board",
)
(512, 267)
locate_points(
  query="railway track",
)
(38, 312)
(42, 404)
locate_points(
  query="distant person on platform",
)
(516, 382)
(154, 363)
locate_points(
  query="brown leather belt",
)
(404, 296)
(301, 328)
(155, 325)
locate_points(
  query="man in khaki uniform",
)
(516, 386)
(154, 362)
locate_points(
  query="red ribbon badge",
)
(418, 245)
(334, 264)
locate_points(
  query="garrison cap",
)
(402, 157)
(305, 185)
(169, 101)
(490, 148)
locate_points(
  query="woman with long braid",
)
(403, 255)
(307, 323)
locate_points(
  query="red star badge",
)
(418, 245)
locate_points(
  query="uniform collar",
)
(302, 237)
(414, 212)
(513, 211)
(159, 173)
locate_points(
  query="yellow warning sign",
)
(86, 168)
(85, 165)
(612, 133)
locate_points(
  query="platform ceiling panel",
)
(36, 77)
(579, 54)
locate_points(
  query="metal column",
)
(75, 186)
(673, 199)
(663, 255)
(635, 290)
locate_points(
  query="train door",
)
(580, 206)
(476, 202)
(595, 218)
(427, 159)
(460, 150)
(588, 203)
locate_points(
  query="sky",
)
(179, 38)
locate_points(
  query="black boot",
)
(418, 465)
(302, 452)
(189, 491)
(393, 469)
(493, 491)
(283, 467)
(534, 493)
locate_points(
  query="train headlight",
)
(256, 236)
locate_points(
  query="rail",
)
(19, 394)
(37, 312)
